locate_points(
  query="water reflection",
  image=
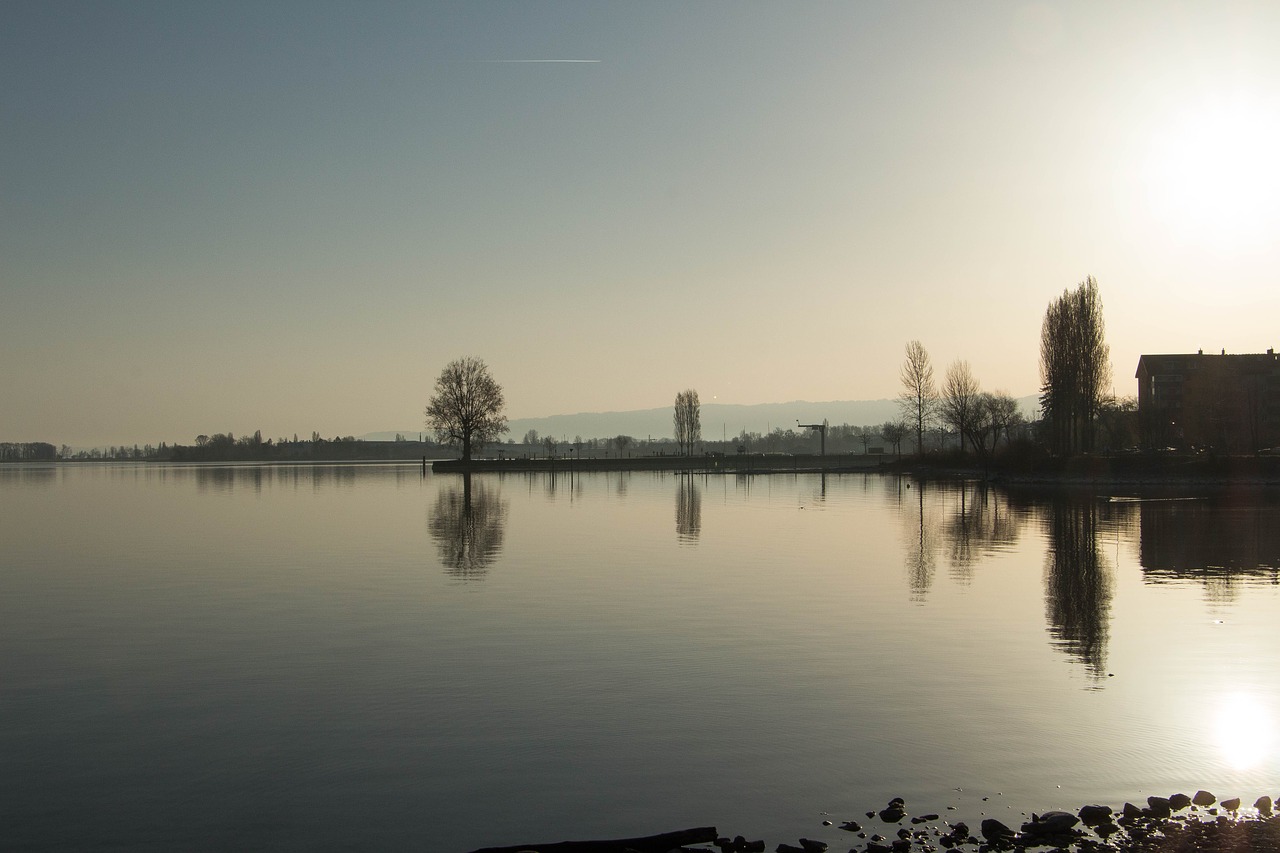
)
(965, 523)
(1077, 583)
(25, 474)
(921, 543)
(1219, 544)
(688, 509)
(468, 524)
(982, 521)
(227, 478)
(1243, 729)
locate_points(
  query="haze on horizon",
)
(290, 216)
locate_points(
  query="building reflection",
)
(468, 524)
(688, 509)
(1219, 544)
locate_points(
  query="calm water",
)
(355, 657)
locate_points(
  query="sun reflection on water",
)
(1243, 729)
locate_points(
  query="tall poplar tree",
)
(1074, 367)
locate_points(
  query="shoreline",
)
(1099, 471)
(1179, 823)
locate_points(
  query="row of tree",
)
(27, 451)
(980, 419)
(1074, 374)
(226, 447)
(466, 408)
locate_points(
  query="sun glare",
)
(1213, 175)
(1243, 730)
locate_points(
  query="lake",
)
(361, 657)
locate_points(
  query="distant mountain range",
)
(717, 419)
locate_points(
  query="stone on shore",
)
(1204, 798)
(996, 832)
(1094, 815)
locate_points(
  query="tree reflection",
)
(1077, 583)
(688, 509)
(468, 525)
(963, 523)
(983, 521)
(921, 551)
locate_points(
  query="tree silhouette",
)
(1074, 367)
(688, 421)
(918, 401)
(466, 409)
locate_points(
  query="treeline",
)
(841, 438)
(226, 447)
(27, 451)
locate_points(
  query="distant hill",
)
(717, 419)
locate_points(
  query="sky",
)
(289, 216)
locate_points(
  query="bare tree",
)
(622, 442)
(688, 421)
(1074, 367)
(960, 404)
(466, 408)
(1003, 413)
(530, 437)
(918, 401)
(1118, 419)
(894, 432)
(865, 433)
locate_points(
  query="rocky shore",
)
(1180, 823)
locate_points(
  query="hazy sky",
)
(289, 216)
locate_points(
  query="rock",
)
(1263, 805)
(851, 826)
(892, 814)
(1160, 806)
(826, 823)
(1094, 815)
(1057, 821)
(871, 814)
(877, 847)
(1204, 798)
(812, 846)
(995, 831)
(904, 833)
(788, 848)
(902, 845)
(924, 818)
(1131, 812)
(1231, 805)
(1178, 802)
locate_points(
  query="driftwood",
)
(663, 843)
